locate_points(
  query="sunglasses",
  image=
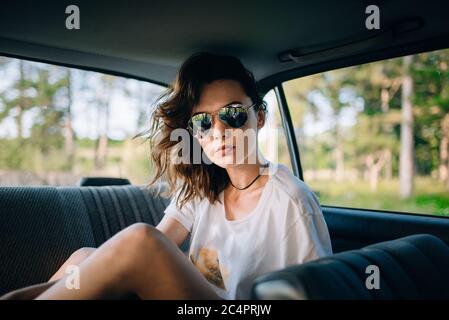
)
(233, 115)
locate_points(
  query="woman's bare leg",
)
(27, 293)
(141, 260)
(75, 259)
(33, 291)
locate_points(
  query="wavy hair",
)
(173, 110)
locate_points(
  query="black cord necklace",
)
(258, 176)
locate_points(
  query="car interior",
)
(40, 226)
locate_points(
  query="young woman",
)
(245, 215)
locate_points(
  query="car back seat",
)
(413, 267)
(41, 226)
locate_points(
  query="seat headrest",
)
(102, 181)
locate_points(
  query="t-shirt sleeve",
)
(308, 237)
(184, 215)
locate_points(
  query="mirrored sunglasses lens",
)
(200, 123)
(234, 117)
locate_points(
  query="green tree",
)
(431, 77)
(47, 130)
(18, 98)
(406, 165)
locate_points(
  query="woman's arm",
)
(174, 230)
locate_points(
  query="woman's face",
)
(223, 145)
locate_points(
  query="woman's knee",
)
(140, 236)
(81, 254)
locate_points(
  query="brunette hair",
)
(173, 110)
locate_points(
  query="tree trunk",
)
(102, 142)
(374, 168)
(339, 157)
(97, 143)
(406, 168)
(101, 151)
(385, 96)
(21, 105)
(443, 170)
(374, 179)
(388, 164)
(69, 134)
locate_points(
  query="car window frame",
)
(276, 82)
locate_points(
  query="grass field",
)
(430, 196)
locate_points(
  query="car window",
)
(272, 140)
(59, 124)
(376, 136)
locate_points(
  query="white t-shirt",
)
(286, 227)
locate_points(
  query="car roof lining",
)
(352, 60)
(32, 30)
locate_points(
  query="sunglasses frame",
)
(212, 114)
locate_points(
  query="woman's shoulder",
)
(289, 185)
